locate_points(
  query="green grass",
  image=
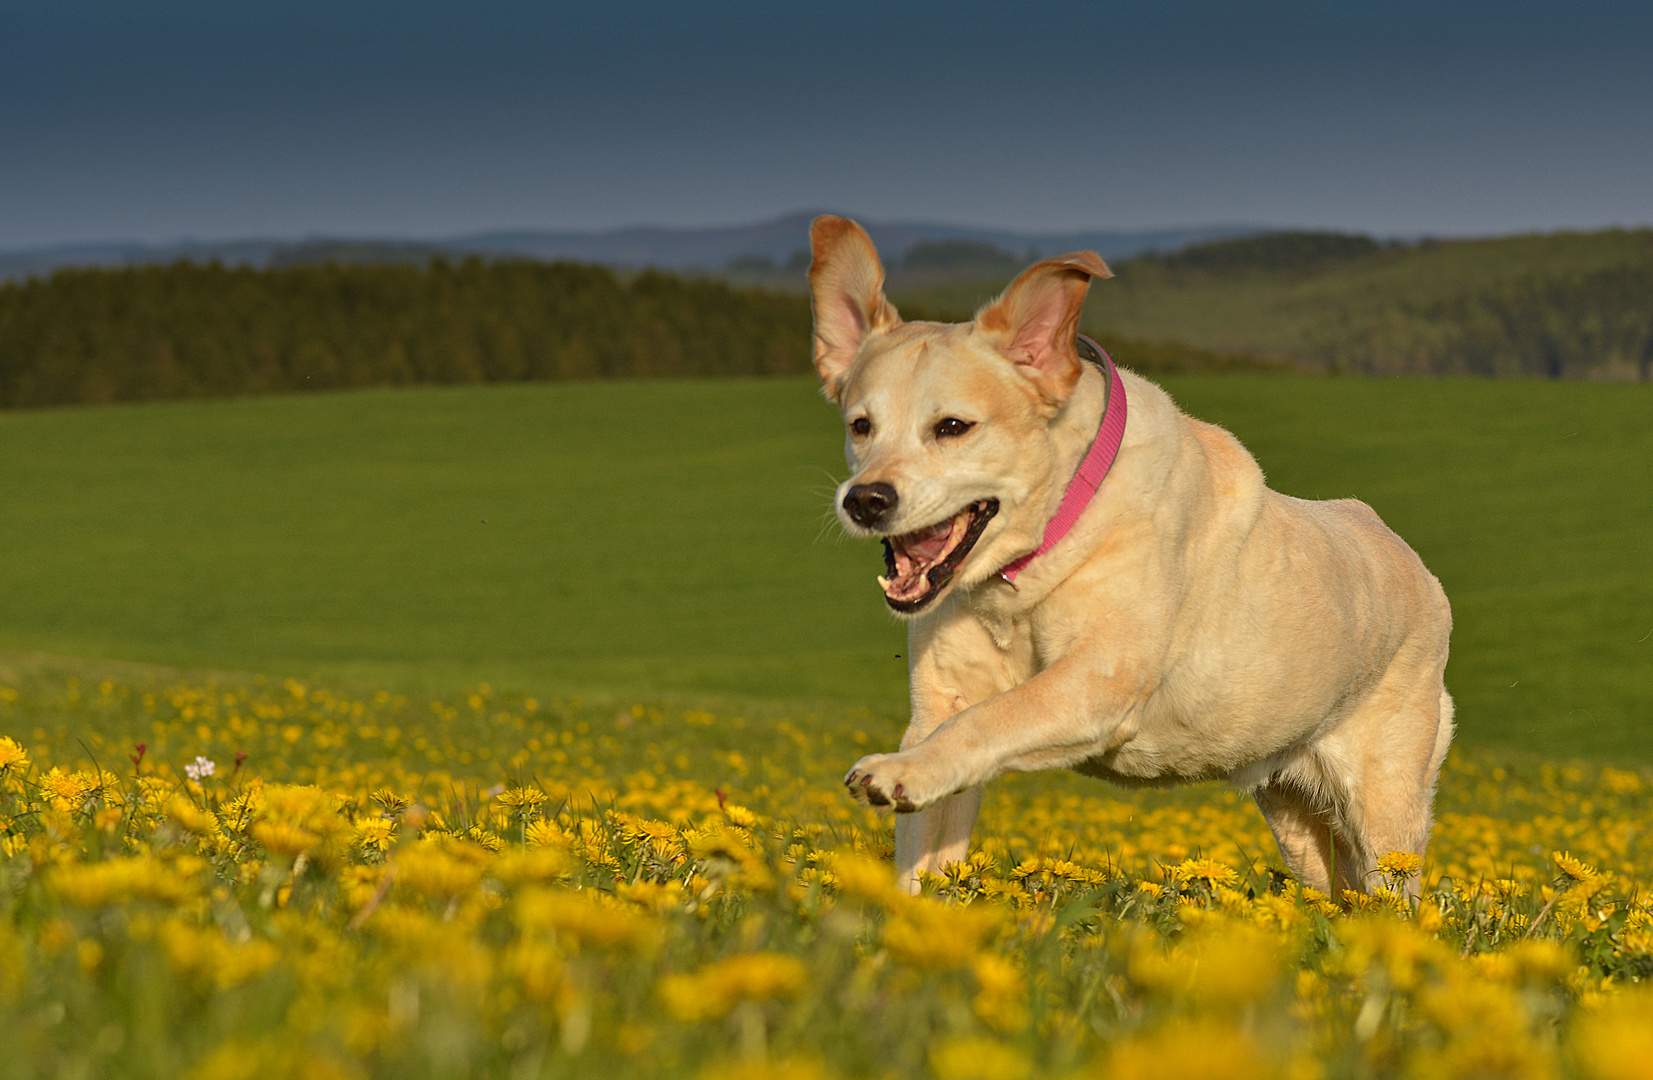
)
(671, 538)
(640, 538)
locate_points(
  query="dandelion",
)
(346, 905)
(979, 1059)
(522, 800)
(374, 834)
(190, 817)
(716, 989)
(1575, 871)
(1210, 871)
(1190, 1050)
(932, 936)
(580, 920)
(12, 753)
(1397, 866)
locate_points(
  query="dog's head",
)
(952, 440)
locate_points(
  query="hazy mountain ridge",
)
(680, 249)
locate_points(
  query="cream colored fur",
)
(1194, 625)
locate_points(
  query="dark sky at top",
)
(217, 118)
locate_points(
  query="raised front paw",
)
(902, 780)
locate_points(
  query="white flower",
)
(200, 767)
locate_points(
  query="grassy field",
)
(286, 881)
(671, 538)
(563, 802)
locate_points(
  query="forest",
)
(189, 330)
(1563, 306)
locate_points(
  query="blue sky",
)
(215, 119)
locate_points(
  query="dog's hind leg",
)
(1303, 829)
(1385, 760)
(939, 834)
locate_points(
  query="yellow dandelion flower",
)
(653, 896)
(67, 790)
(714, 990)
(1621, 781)
(204, 954)
(1210, 871)
(440, 869)
(1001, 998)
(1400, 865)
(544, 833)
(522, 800)
(373, 834)
(1190, 1050)
(113, 881)
(979, 1059)
(661, 837)
(12, 755)
(577, 918)
(1575, 870)
(186, 815)
(520, 867)
(285, 838)
(484, 838)
(932, 936)
(740, 816)
(863, 878)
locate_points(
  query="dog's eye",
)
(952, 427)
(860, 426)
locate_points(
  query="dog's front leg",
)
(1073, 710)
(928, 839)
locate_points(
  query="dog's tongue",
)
(927, 545)
(913, 554)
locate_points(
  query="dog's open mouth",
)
(918, 565)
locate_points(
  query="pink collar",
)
(1082, 488)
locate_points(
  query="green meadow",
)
(672, 539)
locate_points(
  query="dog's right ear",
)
(846, 286)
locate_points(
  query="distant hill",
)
(1560, 305)
(764, 249)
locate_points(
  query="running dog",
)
(1096, 581)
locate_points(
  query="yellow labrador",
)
(1146, 612)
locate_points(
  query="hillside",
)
(1562, 306)
(1571, 305)
(763, 248)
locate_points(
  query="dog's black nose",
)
(866, 503)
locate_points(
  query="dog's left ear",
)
(1035, 320)
(846, 286)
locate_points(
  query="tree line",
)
(192, 330)
(1596, 325)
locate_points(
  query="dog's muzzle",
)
(919, 565)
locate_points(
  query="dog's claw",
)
(899, 789)
(849, 781)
